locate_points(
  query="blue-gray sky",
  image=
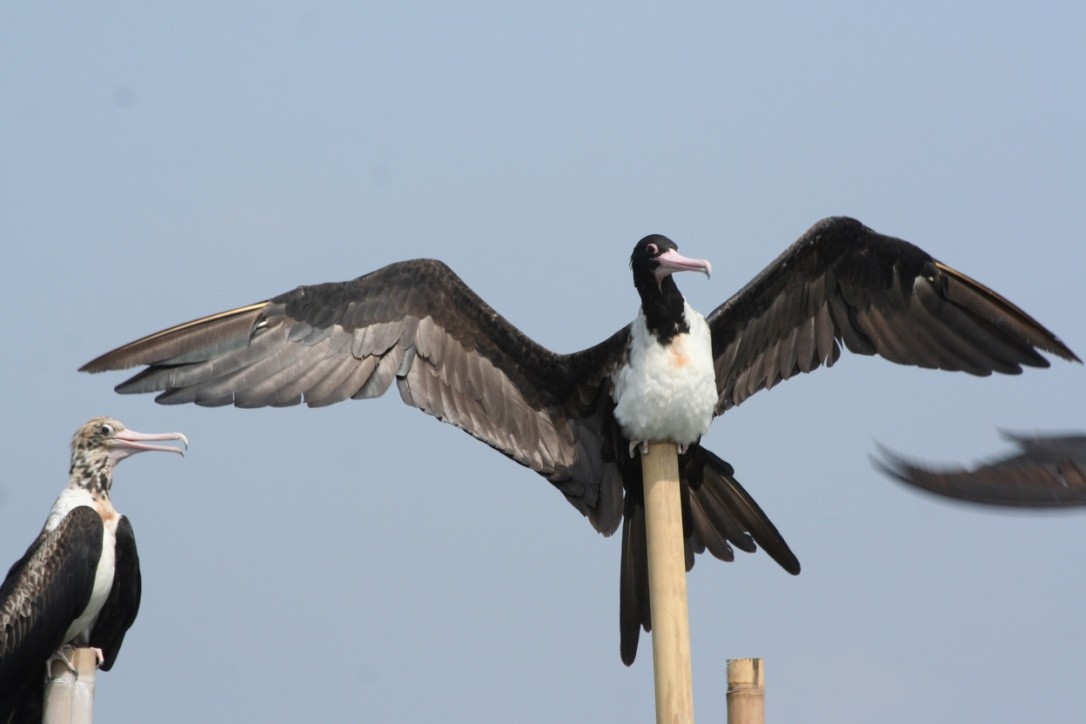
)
(363, 562)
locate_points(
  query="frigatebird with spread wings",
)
(576, 418)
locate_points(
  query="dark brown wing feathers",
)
(1045, 472)
(43, 593)
(415, 323)
(844, 283)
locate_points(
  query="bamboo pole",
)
(69, 696)
(746, 691)
(667, 585)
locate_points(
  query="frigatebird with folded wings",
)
(79, 582)
(576, 418)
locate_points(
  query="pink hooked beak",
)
(129, 442)
(672, 261)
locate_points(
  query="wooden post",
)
(69, 697)
(746, 691)
(667, 585)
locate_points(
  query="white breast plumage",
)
(103, 575)
(667, 392)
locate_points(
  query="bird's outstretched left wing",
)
(841, 282)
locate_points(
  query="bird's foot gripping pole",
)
(66, 656)
(69, 686)
(642, 446)
(667, 584)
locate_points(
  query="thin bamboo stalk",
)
(746, 691)
(667, 585)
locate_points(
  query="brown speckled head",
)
(102, 442)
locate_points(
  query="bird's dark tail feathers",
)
(717, 515)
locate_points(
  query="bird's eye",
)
(652, 249)
(105, 429)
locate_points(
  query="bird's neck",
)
(663, 307)
(94, 476)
